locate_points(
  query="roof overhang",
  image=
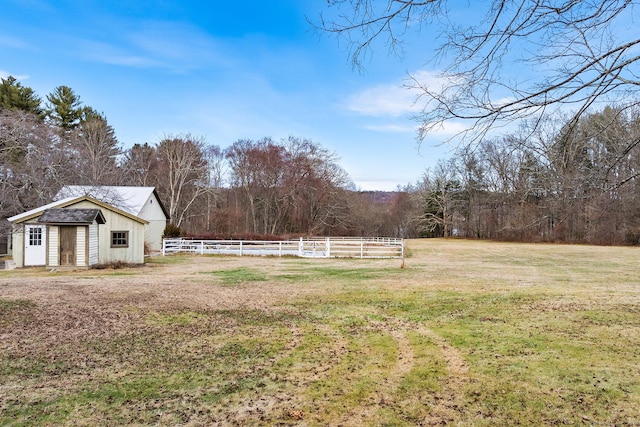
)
(60, 216)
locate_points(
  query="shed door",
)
(67, 245)
(35, 245)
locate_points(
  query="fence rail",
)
(325, 247)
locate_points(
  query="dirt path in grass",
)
(447, 401)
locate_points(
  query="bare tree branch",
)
(523, 59)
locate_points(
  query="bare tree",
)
(439, 197)
(288, 187)
(253, 165)
(579, 53)
(32, 168)
(140, 165)
(216, 169)
(97, 150)
(313, 187)
(183, 173)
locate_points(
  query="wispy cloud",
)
(393, 100)
(400, 103)
(156, 44)
(115, 55)
(13, 42)
(177, 42)
(448, 129)
(34, 5)
(392, 128)
(445, 130)
(396, 99)
(4, 74)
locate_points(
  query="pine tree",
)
(64, 108)
(14, 96)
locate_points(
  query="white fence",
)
(326, 247)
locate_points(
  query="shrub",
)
(114, 265)
(172, 230)
(633, 238)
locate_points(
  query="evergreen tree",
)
(64, 108)
(14, 96)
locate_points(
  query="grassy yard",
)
(461, 333)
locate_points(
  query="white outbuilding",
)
(77, 232)
(142, 202)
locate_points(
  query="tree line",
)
(561, 179)
(558, 179)
(251, 188)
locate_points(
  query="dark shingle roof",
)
(71, 216)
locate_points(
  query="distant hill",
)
(380, 196)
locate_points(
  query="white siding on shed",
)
(134, 253)
(17, 243)
(152, 212)
(54, 241)
(93, 244)
(81, 246)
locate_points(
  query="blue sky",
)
(224, 71)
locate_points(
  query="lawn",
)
(460, 333)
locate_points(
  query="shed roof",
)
(127, 198)
(70, 201)
(71, 216)
(38, 210)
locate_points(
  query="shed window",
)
(119, 239)
(35, 236)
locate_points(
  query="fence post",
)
(328, 248)
(202, 247)
(300, 248)
(280, 249)
(240, 247)
(164, 246)
(361, 248)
